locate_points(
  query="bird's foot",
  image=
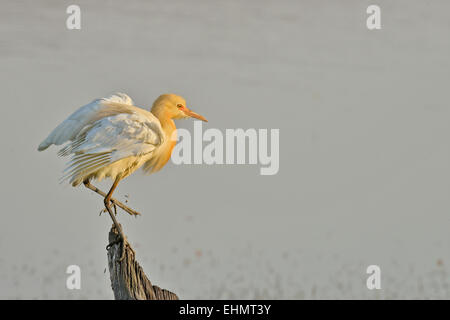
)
(125, 208)
(105, 210)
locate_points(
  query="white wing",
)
(69, 128)
(110, 139)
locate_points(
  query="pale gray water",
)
(364, 152)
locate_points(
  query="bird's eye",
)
(179, 106)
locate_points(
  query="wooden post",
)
(128, 280)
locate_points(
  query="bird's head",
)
(174, 107)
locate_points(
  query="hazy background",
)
(364, 147)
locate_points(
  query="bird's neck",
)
(167, 124)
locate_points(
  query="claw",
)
(108, 201)
(101, 211)
(127, 209)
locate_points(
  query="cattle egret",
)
(112, 138)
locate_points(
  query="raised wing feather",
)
(71, 127)
(110, 139)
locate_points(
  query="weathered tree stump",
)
(128, 280)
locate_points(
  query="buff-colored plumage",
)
(110, 137)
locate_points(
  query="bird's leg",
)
(123, 239)
(104, 209)
(115, 202)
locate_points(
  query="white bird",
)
(112, 138)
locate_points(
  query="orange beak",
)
(192, 114)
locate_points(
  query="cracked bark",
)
(128, 280)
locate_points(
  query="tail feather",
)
(44, 145)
